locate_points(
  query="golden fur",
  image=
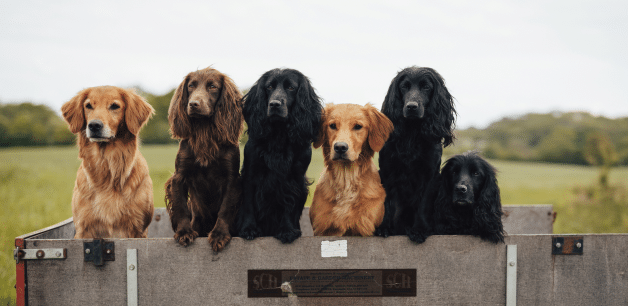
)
(113, 194)
(349, 197)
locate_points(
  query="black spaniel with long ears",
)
(283, 115)
(423, 113)
(467, 201)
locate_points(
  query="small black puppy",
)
(283, 115)
(467, 201)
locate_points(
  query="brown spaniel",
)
(203, 193)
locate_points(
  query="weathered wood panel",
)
(451, 270)
(518, 219)
(528, 219)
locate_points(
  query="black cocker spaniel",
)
(467, 201)
(283, 114)
(423, 113)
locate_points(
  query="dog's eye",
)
(211, 86)
(114, 106)
(89, 106)
(290, 88)
(476, 173)
(270, 87)
(191, 85)
(357, 127)
(332, 126)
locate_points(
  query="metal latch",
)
(29, 254)
(569, 245)
(98, 251)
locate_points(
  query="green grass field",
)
(36, 190)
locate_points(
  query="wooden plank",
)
(61, 230)
(450, 270)
(519, 219)
(528, 219)
(160, 227)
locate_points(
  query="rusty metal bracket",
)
(98, 251)
(567, 245)
(27, 254)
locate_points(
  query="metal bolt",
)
(131, 267)
(108, 251)
(87, 251)
(578, 245)
(58, 254)
(558, 245)
(512, 263)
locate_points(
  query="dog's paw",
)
(218, 240)
(417, 236)
(383, 232)
(250, 233)
(288, 236)
(185, 237)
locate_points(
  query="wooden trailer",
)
(533, 267)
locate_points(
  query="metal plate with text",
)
(332, 283)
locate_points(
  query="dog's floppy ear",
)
(180, 126)
(393, 96)
(255, 104)
(308, 111)
(229, 112)
(321, 138)
(380, 128)
(73, 111)
(137, 112)
(443, 118)
(489, 197)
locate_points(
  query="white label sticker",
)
(336, 248)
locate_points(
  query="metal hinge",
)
(568, 245)
(30, 254)
(98, 251)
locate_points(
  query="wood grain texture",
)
(450, 270)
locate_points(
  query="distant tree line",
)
(553, 137)
(28, 124)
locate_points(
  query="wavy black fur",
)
(481, 212)
(411, 158)
(277, 155)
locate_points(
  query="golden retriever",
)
(113, 194)
(349, 197)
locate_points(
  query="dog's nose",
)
(95, 125)
(194, 104)
(461, 188)
(341, 147)
(274, 103)
(412, 106)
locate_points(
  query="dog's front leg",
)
(386, 228)
(287, 230)
(220, 235)
(180, 215)
(422, 226)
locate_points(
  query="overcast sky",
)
(498, 58)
